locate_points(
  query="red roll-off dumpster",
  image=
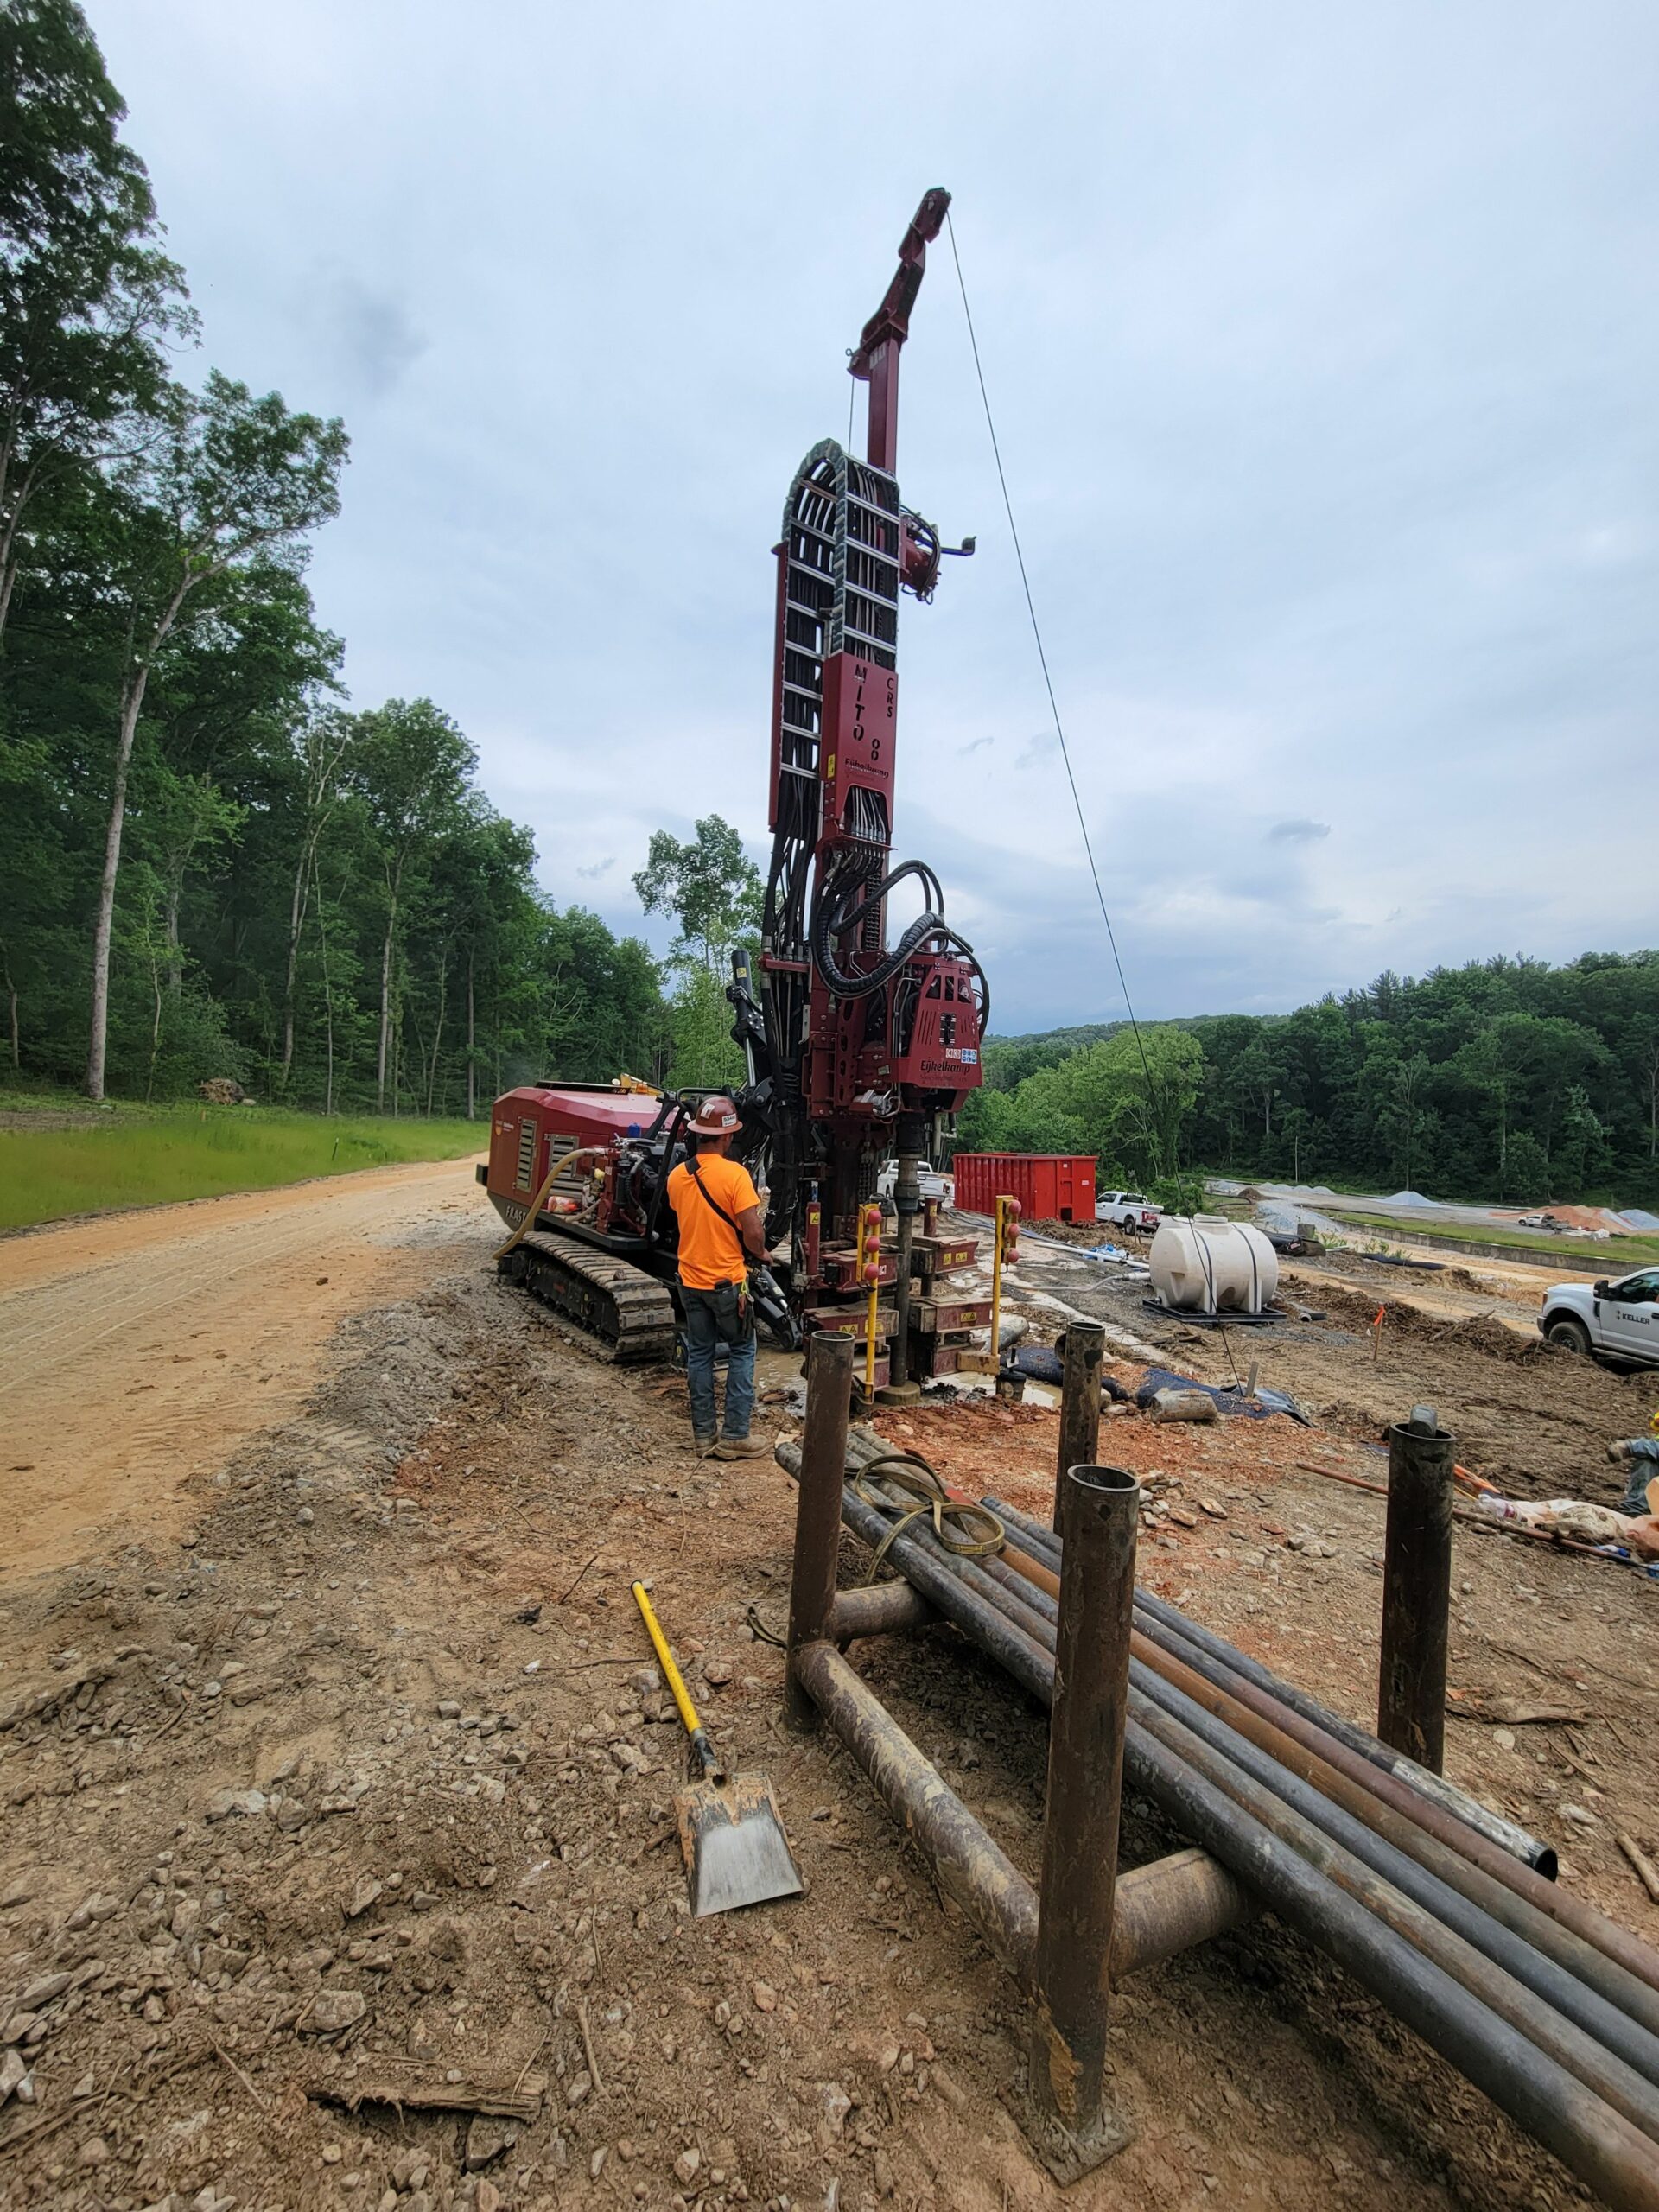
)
(1050, 1186)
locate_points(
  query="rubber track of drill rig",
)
(623, 1313)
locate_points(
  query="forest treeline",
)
(214, 864)
(1510, 1080)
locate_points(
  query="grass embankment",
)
(53, 1164)
(1616, 1257)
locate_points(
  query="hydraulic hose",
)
(833, 916)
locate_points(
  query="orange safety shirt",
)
(710, 1253)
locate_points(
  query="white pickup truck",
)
(1125, 1211)
(1617, 1320)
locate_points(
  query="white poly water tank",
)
(1211, 1265)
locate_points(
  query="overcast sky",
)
(1322, 342)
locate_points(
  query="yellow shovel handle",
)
(672, 1673)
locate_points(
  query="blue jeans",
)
(1644, 1466)
(712, 1318)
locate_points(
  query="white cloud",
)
(1321, 344)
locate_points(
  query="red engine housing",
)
(534, 1126)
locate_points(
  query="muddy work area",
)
(1529, 1417)
(337, 1867)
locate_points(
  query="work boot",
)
(740, 1447)
(702, 1446)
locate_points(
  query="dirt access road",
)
(137, 1350)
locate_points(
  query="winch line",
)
(1066, 753)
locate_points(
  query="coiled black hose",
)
(834, 917)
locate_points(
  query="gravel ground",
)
(355, 1788)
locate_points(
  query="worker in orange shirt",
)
(722, 1230)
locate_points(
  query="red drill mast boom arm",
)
(856, 1050)
(876, 361)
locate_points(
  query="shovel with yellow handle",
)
(731, 1831)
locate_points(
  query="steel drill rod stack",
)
(1531, 1850)
(1595, 2140)
(1432, 1916)
(1619, 1965)
(1398, 1783)
(1320, 1797)
(1518, 1900)
(1587, 1962)
(1574, 1976)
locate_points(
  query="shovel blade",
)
(736, 1851)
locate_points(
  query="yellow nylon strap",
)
(909, 1474)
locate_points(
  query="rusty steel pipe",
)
(1169, 1905)
(1416, 1590)
(1006, 1571)
(1625, 1951)
(1603, 1977)
(1101, 1513)
(1492, 1892)
(997, 1633)
(1499, 1891)
(1595, 2141)
(979, 1875)
(818, 1507)
(1079, 1443)
(880, 1608)
(1569, 2046)
(1627, 1955)
(1214, 1650)
(1529, 1849)
(1554, 1986)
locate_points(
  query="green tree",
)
(232, 479)
(1403, 1119)
(262, 902)
(1525, 1171)
(713, 892)
(710, 885)
(1127, 1099)
(88, 301)
(412, 766)
(1582, 1156)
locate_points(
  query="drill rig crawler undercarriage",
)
(854, 1051)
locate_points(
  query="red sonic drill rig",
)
(856, 1052)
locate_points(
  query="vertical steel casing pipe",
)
(1085, 1355)
(817, 1508)
(1417, 1590)
(1101, 1510)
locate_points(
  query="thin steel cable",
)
(1060, 732)
(1042, 656)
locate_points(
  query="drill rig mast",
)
(855, 1050)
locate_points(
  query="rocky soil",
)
(337, 1866)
